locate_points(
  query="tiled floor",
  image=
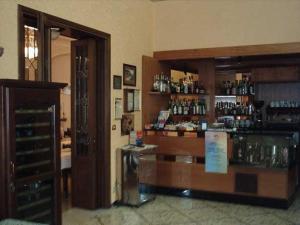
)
(167, 210)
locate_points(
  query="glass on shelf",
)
(264, 150)
(33, 142)
(35, 201)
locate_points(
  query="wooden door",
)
(83, 83)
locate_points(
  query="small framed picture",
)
(118, 108)
(137, 100)
(128, 100)
(117, 82)
(129, 75)
(127, 124)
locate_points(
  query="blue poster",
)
(216, 152)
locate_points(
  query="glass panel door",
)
(83, 58)
(34, 163)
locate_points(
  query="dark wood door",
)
(83, 82)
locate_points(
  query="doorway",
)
(61, 73)
(85, 108)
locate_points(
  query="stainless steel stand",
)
(134, 193)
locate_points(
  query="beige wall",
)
(130, 23)
(186, 24)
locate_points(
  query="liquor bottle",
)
(233, 89)
(251, 89)
(194, 111)
(185, 87)
(201, 89)
(156, 83)
(196, 87)
(234, 109)
(175, 110)
(228, 87)
(180, 110)
(239, 88)
(246, 84)
(203, 108)
(186, 108)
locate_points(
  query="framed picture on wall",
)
(118, 108)
(137, 100)
(117, 82)
(128, 100)
(127, 124)
(129, 75)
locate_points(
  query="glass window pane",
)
(31, 48)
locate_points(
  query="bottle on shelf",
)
(230, 108)
(239, 87)
(187, 107)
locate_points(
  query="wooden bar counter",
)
(180, 164)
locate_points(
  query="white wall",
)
(130, 23)
(188, 24)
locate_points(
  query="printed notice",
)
(216, 152)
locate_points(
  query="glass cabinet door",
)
(267, 151)
(33, 165)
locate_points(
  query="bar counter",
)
(180, 165)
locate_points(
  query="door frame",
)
(103, 89)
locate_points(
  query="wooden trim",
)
(103, 92)
(231, 198)
(62, 23)
(31, 84)
(104, 122)
(248, 50)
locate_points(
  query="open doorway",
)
(85, 108)
(61, 72)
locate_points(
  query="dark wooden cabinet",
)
(30, 151)
(276, 74)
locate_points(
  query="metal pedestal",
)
(134, 193)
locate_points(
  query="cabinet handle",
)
(12, 169)
(12, 187)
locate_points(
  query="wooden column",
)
(206, 70)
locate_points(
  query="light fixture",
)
(55, 32)
(31, 52)
(31, 49)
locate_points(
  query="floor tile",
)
(238, 211)
(121, 219)
(166, 217)
(203, 214)
(152, 206)
(223, 221)
(171, 210)
(185, 203)
(75, 216)
(289, 215)
(264, 219)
